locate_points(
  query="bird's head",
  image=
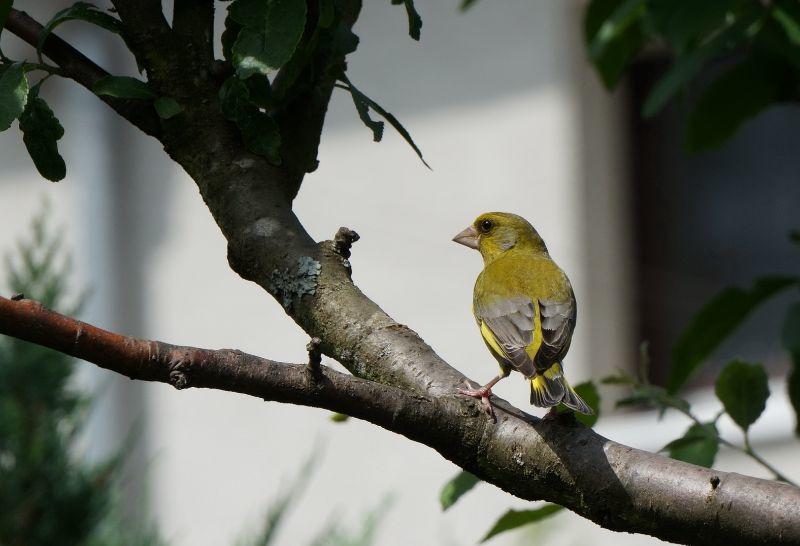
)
(494, 233)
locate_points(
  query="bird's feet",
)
(482, 393)
(551, 415)
(558, 416)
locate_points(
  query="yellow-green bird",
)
(525, 308)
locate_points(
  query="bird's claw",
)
(483, 394)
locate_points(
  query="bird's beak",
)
(468, 237)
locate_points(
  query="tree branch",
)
(223, 369)
(76, 66)
(149, 37)
(618, 487)
(194, 21)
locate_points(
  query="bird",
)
(525, 309)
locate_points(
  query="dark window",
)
(709, 220)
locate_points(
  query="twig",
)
(314, 355)
(747, 449)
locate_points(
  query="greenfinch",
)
(525, 308)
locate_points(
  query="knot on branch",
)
(314, 355)
(343, 241)
(178, 373)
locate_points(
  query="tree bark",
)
(400, 383)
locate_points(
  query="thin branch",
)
(81, 69)
(619, 487)
(747, 449)
(223, 369)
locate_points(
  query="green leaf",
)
(729, 101)
(597, 12)
(248, 13)
(82, 11)
(362, 107)
(614, 35)
(123, 87)
(272, 31)
(743, 390)
(229, 36)
(793, 386)
(715, 322)
(261, 136)
(260, 91)
(259, 131)
(681, 21)
(699, 445)
(624, 15)
(774, 47)
(414, 20)
(517, 518)
(167, 107)
(456, 488)
(789, 21)
(358, 96)
(13, 94)
(235, 99)
(41, 132)
(326, 13)
(588, 391)
(790, 337)
(646, 394)
(687, 66)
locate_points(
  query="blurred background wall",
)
(509, 115)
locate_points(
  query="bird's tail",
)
(550, 388)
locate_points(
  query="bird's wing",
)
(507, 325)
(557, 324)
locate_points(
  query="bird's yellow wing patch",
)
(533, 348)
(488, 336)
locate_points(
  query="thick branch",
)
(619, 487)
(149, 37)
(193, 20)
(81, 69)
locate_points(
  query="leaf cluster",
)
(279, 49)
(741, 387)
(278, 52)
(20, 100)
(760, 42)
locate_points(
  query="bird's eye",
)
(486, 226)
